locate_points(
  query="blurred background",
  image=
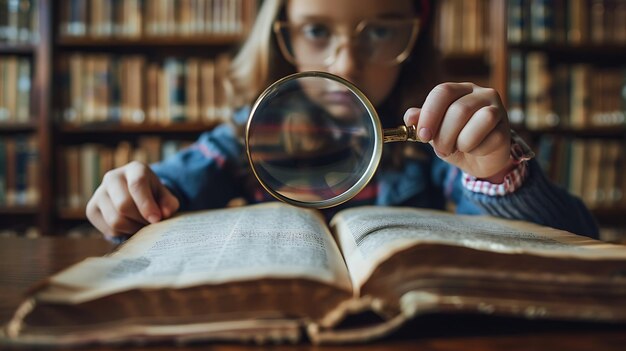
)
(86, 86)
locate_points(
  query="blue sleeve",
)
(203, 175)
(538, 200)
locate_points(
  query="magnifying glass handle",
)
(402, 133)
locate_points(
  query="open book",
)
(275, 272)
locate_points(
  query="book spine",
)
(76, 110)
(4, 112)
(515, 22)
(4, 21)
(173, 92)
(11, 74)
(516, 88)
(13, 8)
(3, 171)
(23, 91)
(34, 20)
(192, 87)
(541, 21)
(114, 81)
(33, 193)
(579, 96)
(11, 172)
(538, 102)
(78, 18)
(578, 22)
(24, 18)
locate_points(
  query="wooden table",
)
(23, 262)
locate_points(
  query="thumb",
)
(168, 203)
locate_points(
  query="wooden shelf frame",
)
(18, 127)
(17, 49)
(215, 40)
(39, 125)
(136, 128)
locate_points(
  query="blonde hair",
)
(251, 68)
(259, 63)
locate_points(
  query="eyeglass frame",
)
(401, 57)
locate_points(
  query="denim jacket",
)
(213, 171)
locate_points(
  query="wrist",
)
(509, 178)
(510, 182)
(498, 178)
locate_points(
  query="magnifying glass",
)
(314, 139)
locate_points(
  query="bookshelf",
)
(565, 85)
(174, 49)
(148, 43)
(24, 126)
(477, 55)
(134, 37)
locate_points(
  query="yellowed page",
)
(369, 235)
(262, 241)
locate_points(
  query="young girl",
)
(385, 48)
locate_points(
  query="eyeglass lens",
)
(377, 41)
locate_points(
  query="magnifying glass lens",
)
(312, 140)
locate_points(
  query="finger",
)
(476, 130)
(117, 191)
(168, 203)
(411, 116)
(117, 222)
(497, 139)
(436, 105)
(456, 117)
(97, 220)
(138, 177)
(95, 216)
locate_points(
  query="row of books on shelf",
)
(132, 90)
(138, 18)
(15, 83)
(19, 171)
(463, 26)
(574, 96)
(589, 168)
(19, 21)
(87, 164)
(567, 21)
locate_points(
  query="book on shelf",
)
(19, 20)
(275, 272)
(576, 96)
(588, 168)
(130, 90)
(462, 26)
(566, 22)
(136, 19)
(15, 89)
(539, 108)
(19, 170)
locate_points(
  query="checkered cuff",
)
(512, 181)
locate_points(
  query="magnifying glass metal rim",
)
(372, 166)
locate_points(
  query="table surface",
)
(24, 262)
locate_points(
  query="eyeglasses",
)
(380, 41)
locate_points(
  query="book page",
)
(369, 235)
(270, 240)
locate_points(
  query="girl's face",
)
(331, 24)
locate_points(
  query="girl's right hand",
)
(129, 198)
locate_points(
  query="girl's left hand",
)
(468, 127)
